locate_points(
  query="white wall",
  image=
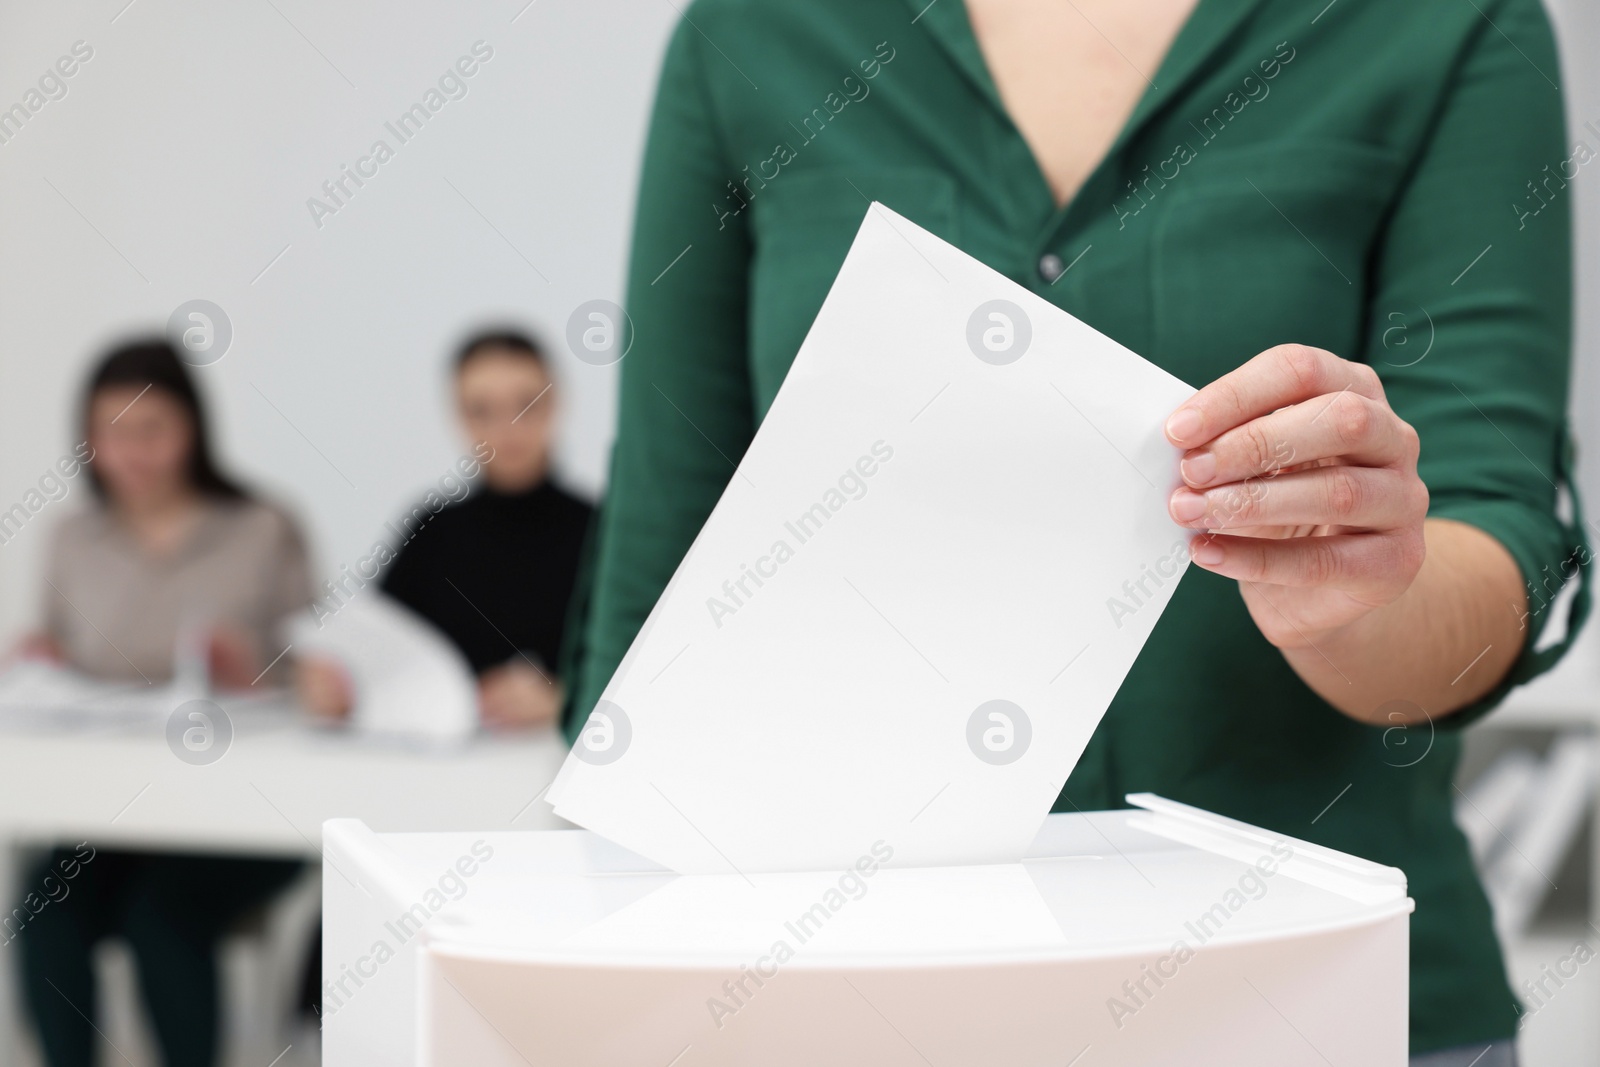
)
(191, 142)
(1578, 28)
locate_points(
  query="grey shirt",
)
(116, 610)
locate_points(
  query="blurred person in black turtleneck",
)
(495, 571)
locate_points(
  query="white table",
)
(269, 793)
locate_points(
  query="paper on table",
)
(913, 603)
(409, 680)
(54, 696)
(41, 695)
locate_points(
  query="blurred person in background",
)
(494, 572)
(170, 546)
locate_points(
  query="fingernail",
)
(1199, 468)
(1186, 505)
(1205, 552)
(1184, 425)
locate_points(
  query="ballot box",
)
(1152, 936)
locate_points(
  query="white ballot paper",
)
(918, 594)
(409, 680)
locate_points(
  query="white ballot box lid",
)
(514, 924)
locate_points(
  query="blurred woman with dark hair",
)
(171, 547)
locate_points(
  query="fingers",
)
(39, 646)
(491, 705)
(1346, 426)
(1339, 561)
(1278, 377)
(517, 694)
(323, 688)
(1356, 498)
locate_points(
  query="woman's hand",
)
(515, 694)
(1306, 482)
(40, 647)
(322, 687)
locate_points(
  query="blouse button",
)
(1050, 267)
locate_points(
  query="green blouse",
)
(1386, 181)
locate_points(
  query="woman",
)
(495, 571)
(171, 547)
(1306, 210)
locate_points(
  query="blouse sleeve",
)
(52, 604)
(1471, 315)
(685, 411)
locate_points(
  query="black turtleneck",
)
(495, 573)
